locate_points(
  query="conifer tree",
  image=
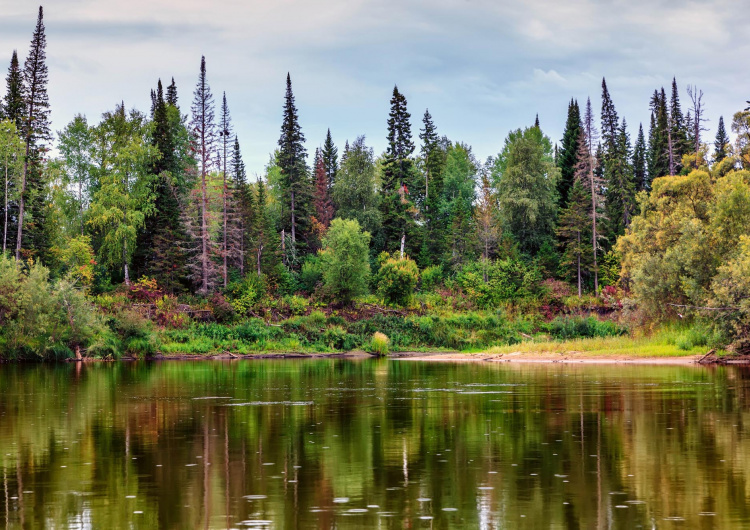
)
(567, 156)
(433, 155)
(721, 144)
(620, 196)
(639, 161)
(487, 219)
(204, 133)
(610, 122)
(330, 160)
(265, 243)
(172, 94)
(573, 233)
(295, 181)
(678, 128)
(588, 171)
(225, 130)
(35, 130)
(14, 104)
(322, 201)
(246, 210)
(398, 171)
(658, 149)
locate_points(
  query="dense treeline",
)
(163, 196)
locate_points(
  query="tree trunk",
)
(403, 244)
(593, 238)
(224, 252)
(21, 202)
(204, 233)
(125, 264)
(294, 221)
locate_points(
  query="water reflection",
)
(323, 444)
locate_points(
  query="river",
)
(373, 443)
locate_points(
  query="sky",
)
(482, 67)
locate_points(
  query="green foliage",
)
(243, 295)
(431, 277)
(311, 274)
(397, 279)
(565, 328)
(344, 262)
(76, 260)
(491, 283)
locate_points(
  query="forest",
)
(141, 232)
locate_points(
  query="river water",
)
(381, 444)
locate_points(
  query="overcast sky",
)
(482, 67)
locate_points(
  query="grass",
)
(669, 341)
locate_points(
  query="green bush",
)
(344, 260)
(490, 283)
(311, 275)
(397, 279)
(565, 328)
(431, 278)
(244, 294)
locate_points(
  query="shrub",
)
(311, 275)
(145, 290)
(297, 304)
(221, 309)
(565, 328)
(397, 279)
(246, 293)
(344, 260)
(431, 278)
(490, 283)
(379, 344)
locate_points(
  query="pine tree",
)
(14, 105)
(398, 171)
(678, 128)
(204, 133)
(35, 130)
(322, 201)
(620, 195)
(721, 144)
(172, 94)
(567, 157)
(573, 233)
(295, 180)
(246, 210)
(330, 160)
(266, 243)
(639, 161)
(225, 130)
(433, 156)
(610, 121)
(658, 149)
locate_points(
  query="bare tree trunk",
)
(80, 203)
(403, 243)
(260, 253)
(126, 271)
(22, 202)
(593, 226)
(224, 250)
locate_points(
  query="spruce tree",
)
(398, 171)
(678, 128)
(204, 133)
(322, 200)
(658, 149)
(610, 121)
(225, 130)
(330, 160)
(172, 94)
(433, 163)
(573, 232)
(35, 131)
(14, 105)
(245, 208)
(294, 174)
(639, 161)
(620, 185)
(721, 144)
(568, 153)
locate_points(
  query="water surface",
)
(387, 444)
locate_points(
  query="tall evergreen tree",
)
(172, 94)
(658, 148)
(322, 201)
(434, 156)
(568, 153)
(398, 172)
(620, 195)
(330, 160)
(246, 210)
(204, 134)
(36, 131)
(610, 121)
(225, 130)
(292, 162)
(678, 128)
(14, 105)
(573, 233)
(721, 144)
(639, 161)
